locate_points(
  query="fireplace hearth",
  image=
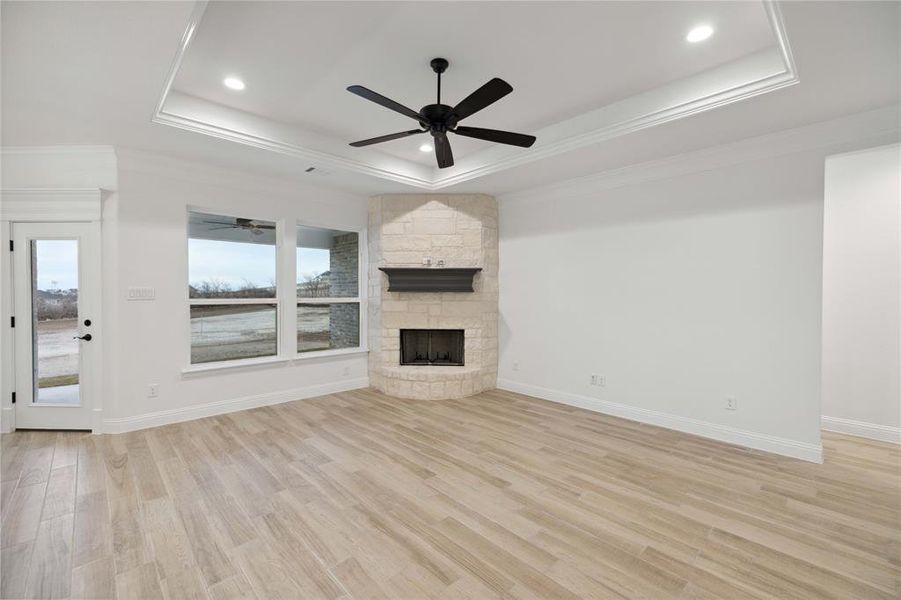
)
(434, 347)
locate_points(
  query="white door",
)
(56, 287)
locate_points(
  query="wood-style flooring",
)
(358, 495)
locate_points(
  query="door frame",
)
(47, 205)
(36, 415)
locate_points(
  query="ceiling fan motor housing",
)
(436, 117)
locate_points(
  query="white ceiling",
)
(562, 58)
(551, 51)
(93, 73)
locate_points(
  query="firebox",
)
(437, 347)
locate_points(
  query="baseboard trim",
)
(714, 431)
(7, 417)
(211, 409)
(872, 431)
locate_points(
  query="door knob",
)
(86, 337)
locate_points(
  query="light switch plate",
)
(141, 293)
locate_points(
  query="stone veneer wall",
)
(462, 231)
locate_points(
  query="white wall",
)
(59, 167)
(861, 280)
(684, 282)
(151, 250)
(144, 244)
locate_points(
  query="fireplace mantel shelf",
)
(419, 279)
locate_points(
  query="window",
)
(232, 287)
(328, 289)
(242, 299)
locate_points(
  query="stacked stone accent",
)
(461, 230)
(344, 319)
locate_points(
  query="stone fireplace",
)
(433, 345)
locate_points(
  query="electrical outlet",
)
(516, 366)
(594, 380)
(731, 404)
(602, 381)
(153, 390)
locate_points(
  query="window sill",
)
(234, 364)
(268, 361)
(330, 353)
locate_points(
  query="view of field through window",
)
(232, 259)
(54, 298)
(232, 287)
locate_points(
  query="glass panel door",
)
(54, 305)
(56, 279)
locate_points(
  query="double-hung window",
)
(328, 289)
(232, 287)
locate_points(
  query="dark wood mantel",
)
(418, 279)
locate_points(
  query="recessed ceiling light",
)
(699, 33)
(233, 83)
(426, 148)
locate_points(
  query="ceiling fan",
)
(439, 119)
(245, 224)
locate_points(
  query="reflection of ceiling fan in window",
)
(245, 224)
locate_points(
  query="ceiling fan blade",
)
(443, 151)
(486, 95)
(494, 135)
(386, 138)
(362, 92)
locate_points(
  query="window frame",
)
(286, 299)
(276, 300)
(359, 299)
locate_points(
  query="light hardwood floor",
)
(358, 495)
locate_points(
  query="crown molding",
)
(186, 39)
(59, 167)
(492, 161)
(331, 161)
(163, 117)
(875, 126)
(698, 105)
(199, 172)
(50, 204)
(51, 150)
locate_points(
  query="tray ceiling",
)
(582, 73)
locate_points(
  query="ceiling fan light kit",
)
(440, 119)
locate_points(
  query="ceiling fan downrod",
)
(439, 65)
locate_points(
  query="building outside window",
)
(328, 289)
